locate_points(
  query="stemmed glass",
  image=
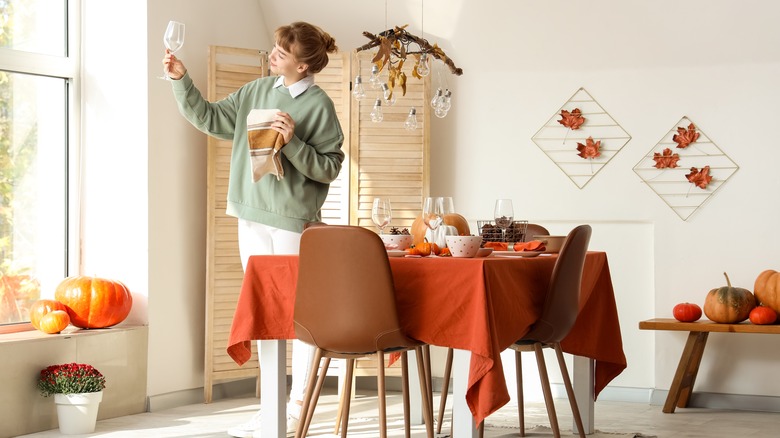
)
(381, 213)
(173, 40)
(504, 214)
(432, 213)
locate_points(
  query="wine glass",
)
(504, 214)
(432, 213)
(381, 213)
(173, 40)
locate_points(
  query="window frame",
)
(67, 67)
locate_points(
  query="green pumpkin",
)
(729, 304)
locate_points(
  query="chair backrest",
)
(345, 300)
(534, 230)
(561, 305)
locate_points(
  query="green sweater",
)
(311, 160)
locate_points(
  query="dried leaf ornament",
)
(699, 178)
(685, 137)
(667, 160)
(590, 149)
(572, 120)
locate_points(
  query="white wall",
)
(647, 63)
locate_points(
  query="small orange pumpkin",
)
(767, 289)
(94, 302)
(54, 322)
(729, 304)
(40, 308)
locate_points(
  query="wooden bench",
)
(685, 376)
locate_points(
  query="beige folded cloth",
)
(264, 143)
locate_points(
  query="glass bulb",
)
(388, 95)
(436, 99)
(374, 79)
(376, 113)
(446, 101)
(440, 113)
(358, 91)
(422, 67)
(411, 120)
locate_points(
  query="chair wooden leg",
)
(347, 397)
(405, 393)
(548, 398)
(307, 405)
(429, 383)
(426, 395)
(317, 391)
(381, 393)
(520, 403)
(575, 410)
(445, 387)
(340, 409)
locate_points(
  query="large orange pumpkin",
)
(94, 302)
(729, 304)
(767, 289)
(452, 219)
(40, 308)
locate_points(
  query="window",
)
(38, 113)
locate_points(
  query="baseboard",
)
(711, 400)
(231, 389)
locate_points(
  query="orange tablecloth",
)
(481, 305)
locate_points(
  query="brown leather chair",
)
(559, 313)
(345, 307)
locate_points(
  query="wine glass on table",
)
(504, 214)
(432, 213)
(173, 40)
(381, 213)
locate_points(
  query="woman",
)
(273, 211)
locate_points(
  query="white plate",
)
(396, 253)
(517, 253)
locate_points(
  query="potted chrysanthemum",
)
(77, 389)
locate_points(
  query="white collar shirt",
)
(297, 88)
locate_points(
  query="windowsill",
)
(37, 335)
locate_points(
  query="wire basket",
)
(515, 232)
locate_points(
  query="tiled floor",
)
(212, 420)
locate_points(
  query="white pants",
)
(258, 239)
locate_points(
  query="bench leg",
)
(685, 376)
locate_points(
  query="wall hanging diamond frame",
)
(685, 168)
(581, 138)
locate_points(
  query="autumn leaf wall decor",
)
(688, 170)
(581, 138)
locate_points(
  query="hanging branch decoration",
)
(394, 46)
(684, 137)
(699, 178)
(666, 160)
(572, 120)
(590, 149)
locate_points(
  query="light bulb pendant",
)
(411, 120)
(435, 101)
(358, 92)
(374, 79)
(376, 113)
(423, 69)
(388, 95)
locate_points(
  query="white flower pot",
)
(77, 413)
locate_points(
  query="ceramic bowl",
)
(464, 246)
(551, 243)
(402, 241)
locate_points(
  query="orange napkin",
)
(264, 144)
(533, 245)
(497, 246)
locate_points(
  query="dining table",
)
(478, 306)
